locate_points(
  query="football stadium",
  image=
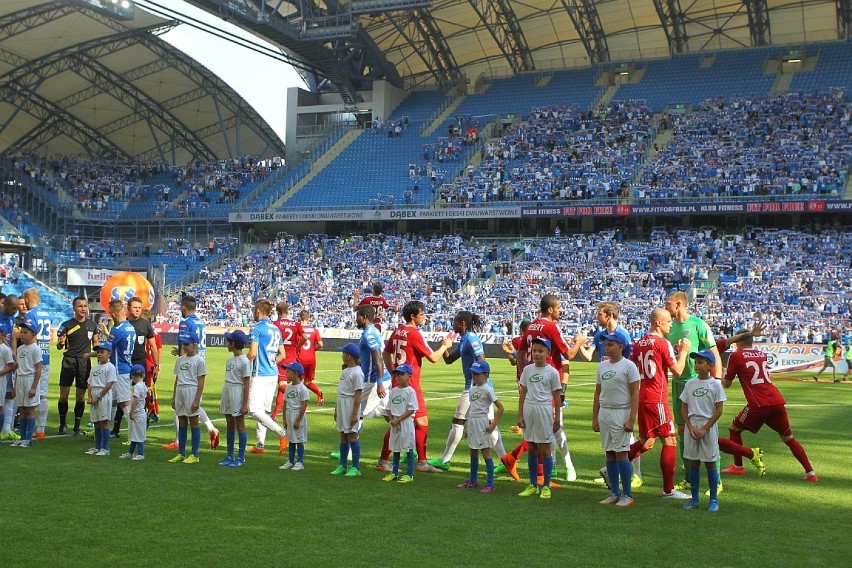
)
(618, 231)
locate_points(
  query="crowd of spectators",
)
(560, 152)
(797, 282)
(788, 144)
(94, 185)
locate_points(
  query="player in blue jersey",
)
(376, 377)
(265, 352)
(469, 350)
(191, 326)
(41, 319)
(122, 337)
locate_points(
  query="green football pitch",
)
(62, 507)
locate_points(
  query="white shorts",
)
(300, 435)
(402, 437)
(232, 399)
(371, 405)
(477, 437)
(122, 388)
(262, 391)
(343, 409)
(539, 423)
(707, 448)
(102, 411)
(463, 406)
(42, 385)
(184, 397)
(137, 427)
(22, 390)
(613, 436)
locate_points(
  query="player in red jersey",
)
(550, 309)
(511, 348)
(407, 345)
(291, 341)
(376, 300)
(311, 342)
(654, 356)
(764, 405)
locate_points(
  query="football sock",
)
(562, 442)
(532, 464)
(420, 434)
(291, 453)
(182, 440)
(196, 440)
(453, 439)
(97, 437)
(177, 426)
(42, 414)
(694, 481)
(497, 442)
(279, 402)
(230, 438)
(637, 463)
(114, 409)
(264, 422)
(612, 474)
(300, 452)
(799, 453)
(23, 428)
(736, 450)
(713, 479)
(489, 471)
(396, 463)
(79, 408)
(685, 462)
(344, 453)
(119, 414)
(385, 447)
(668, 459)
(410, 464)
(474, 467)
(9, 415)
(62, 407)
(140, 448)
(313, 388)
(547, 462)
(625, 470)
(105, 438)
(132, 448)
(520, 449)
(636, 450)
(356, 452)
(737, 438)
(204, 418)
(243, 438)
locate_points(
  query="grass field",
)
(61, 506)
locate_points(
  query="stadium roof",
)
(76, 79)
(413, 42)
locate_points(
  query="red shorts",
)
(655, 420)
(310, 372)
(775, 417)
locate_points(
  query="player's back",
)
(291, 332)
(752, 368)
(545, 329)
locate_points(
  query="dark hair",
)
(304, 314)
(548, 301)
(411, 309)
(378, 288)
(188, 302)
(282, 308)
(472, 320)
(263, 306)
(135, 299)
(368, 312)
(524, 325)
(74, 301)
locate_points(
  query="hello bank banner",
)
(92, 276)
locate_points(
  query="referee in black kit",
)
(76, 336)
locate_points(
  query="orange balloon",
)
(125, 285)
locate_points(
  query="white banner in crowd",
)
(92, 276)
(507, 212)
